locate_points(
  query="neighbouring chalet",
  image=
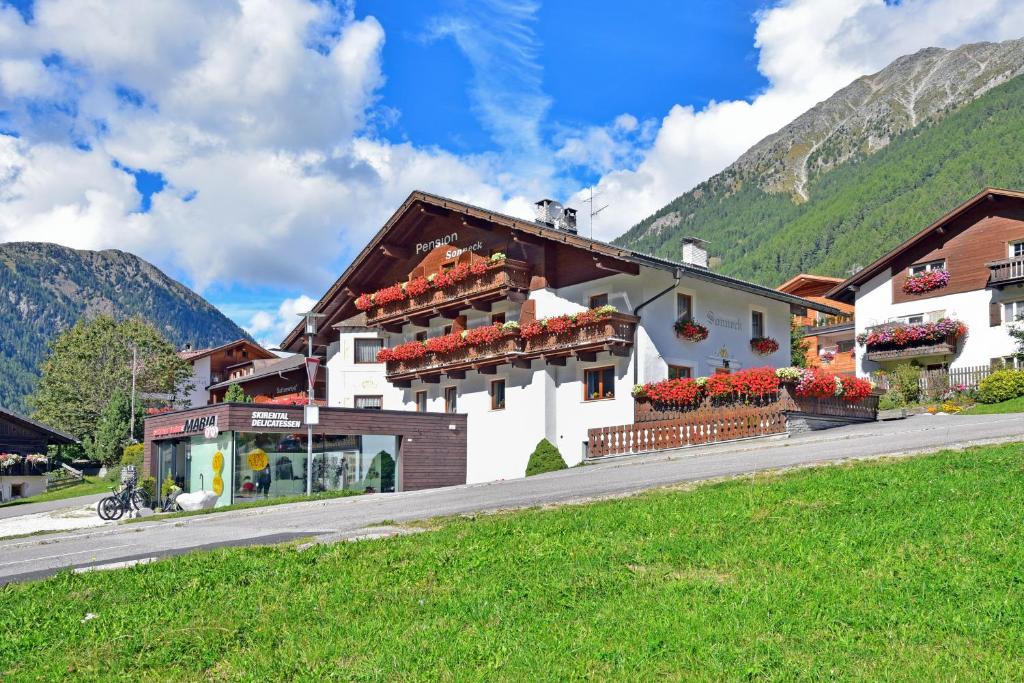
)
(280, 381)
(212, 366)
(23, 454)
(526, 370)
(946, 297)
(829, 338)
(264, 376)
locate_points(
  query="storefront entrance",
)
(242, 452)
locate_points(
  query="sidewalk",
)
(49, 506)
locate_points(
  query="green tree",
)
(797, 346)
(90, 365)
(236, 394)
(545, 458)
(113, 431)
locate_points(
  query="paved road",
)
(49, 506)
(30, 558)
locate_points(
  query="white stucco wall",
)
(347, 379)
(32, 485)
(874, 305)
(548, 402)
(199, 396)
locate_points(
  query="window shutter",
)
(995, 317)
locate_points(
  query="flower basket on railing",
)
(764, 346)
(419, 286)
(691, 331)
(926, 282)
(898, 336)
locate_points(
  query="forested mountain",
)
(860, 172)
(45, 288)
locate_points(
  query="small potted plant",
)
(689, 330)
(764, 346)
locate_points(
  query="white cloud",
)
(252, 110)
(268, 328)
(808, 49)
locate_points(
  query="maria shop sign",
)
(190, 426)
(274, 420)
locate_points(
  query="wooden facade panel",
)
(431, 453)
(969, 242)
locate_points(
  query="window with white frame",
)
(1017, 249)
(1013, 311)
(684, 306)
(928, 267)
(756, 324)
(366, 350)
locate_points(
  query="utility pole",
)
(135, 365)
(311, 415)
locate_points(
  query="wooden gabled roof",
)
(195, 354)
(336, 304)
(845, 290)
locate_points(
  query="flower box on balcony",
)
(608, 331)
(491, 283)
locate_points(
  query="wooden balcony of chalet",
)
(1009, 271)
(614, 334)
(947, 346)
(506, 280)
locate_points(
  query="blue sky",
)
(251, 148)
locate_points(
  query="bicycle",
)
(129, 497)
(124, 500)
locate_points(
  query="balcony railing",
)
(25, 469)
(613, 334)
(942, 348)
(1006, 272)
(497, 282)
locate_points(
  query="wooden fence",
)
(659, 427)
(700, 426)
(935, 382)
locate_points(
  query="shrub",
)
(148, 484)
(891, 400)
(167, 486)
(1001, 385)
(545, 458)
(133, 454)
(906, 379)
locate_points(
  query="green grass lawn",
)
(1014, 405)
(88, 487)
(901, 570)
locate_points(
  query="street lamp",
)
(310, 414)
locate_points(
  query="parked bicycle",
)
(126, 499)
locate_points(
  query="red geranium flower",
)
(417, 286)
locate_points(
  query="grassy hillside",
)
(45, 288)
(859, 210)
(902, 570)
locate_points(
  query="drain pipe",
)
(677, 275)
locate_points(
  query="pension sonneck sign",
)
(445, 240)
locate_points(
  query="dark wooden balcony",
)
(506, 280)
(1008, 271)
(942, 348)
(25, 469)
(614, 334)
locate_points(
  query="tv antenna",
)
(593, 211)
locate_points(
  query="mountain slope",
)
(861, 171)
(45, 288)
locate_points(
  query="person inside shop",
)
(263, 482)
